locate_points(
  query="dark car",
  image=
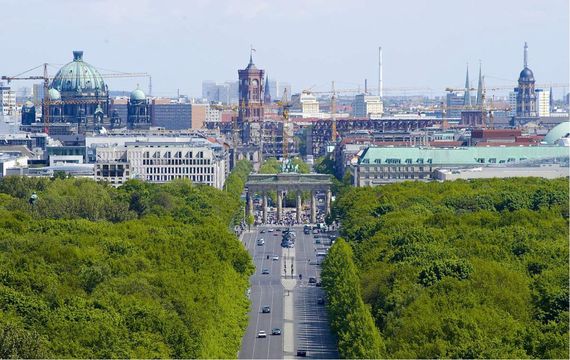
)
(312, 280)
(266, 309)
(318, 284)
(276, 331)
(320, 301)
(262, 232)
(302, 353)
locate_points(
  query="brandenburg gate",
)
(291, 183)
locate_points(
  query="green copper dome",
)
(560, 131)
(79, 77)
(54, 94)
(138, 95)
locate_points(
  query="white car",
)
(275, 258)
(261, 334)
(260, 242)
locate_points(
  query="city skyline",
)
(308, 44)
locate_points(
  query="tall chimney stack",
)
(380, 83)
(366, 86)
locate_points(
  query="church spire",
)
(266, 92)
(525, 55)
(467, 95)
(480, 87)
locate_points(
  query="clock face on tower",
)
(254, 83)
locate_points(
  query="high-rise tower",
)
(250, 93)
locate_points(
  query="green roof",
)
(78, 76)
(459, 156)
(559, 131)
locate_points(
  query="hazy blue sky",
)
(306, 42)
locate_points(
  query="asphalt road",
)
(311, 329)
(266, 290)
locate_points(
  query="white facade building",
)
(307, 103)
(213, 115)
(367, 106)
(200, 160)
(7, 100)
(542, 102)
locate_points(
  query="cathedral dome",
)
(79, 77)
(526, 75)
(54, 95)
(138, 95)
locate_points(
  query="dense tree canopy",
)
(143, 271)
(459, 269)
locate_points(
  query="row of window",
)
(177, 161)
(179, 170)
(494, 160)
(207, 179)
(395, 168)
(399, 176)
(168, 154)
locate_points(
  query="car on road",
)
(276, 331)
(266, 309)
(270, 230)
(260, 242)
(312, 280)
(261, 334)
(317, 241)
(275, 234)
(320, 301)
(262, 232)
(275, 258)
(318, 284)
(301, 353)
(265, 272)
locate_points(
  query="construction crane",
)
(46, 80)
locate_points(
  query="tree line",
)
(143, 271)
(463, 269)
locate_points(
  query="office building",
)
(200, 160)
(7, 100)
(171, 115)
(455, 103)
(367, 106)
(543, 101)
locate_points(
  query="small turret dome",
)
(138, 95)
(54, 95)
(526, 75)
(28, 104)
